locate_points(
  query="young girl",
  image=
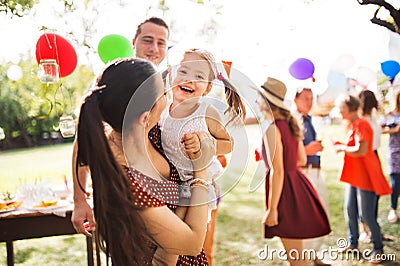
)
(188, 112)
(363, 173)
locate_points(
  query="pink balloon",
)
(365, 76)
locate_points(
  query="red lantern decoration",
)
(258, 154)
(53, 46)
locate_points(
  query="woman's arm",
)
(172, 234)
(392, 130)
(358, 150)
(274, 148)
(218, 131)
(82, 216)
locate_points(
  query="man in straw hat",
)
(303, 103)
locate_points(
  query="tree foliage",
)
(28, 108)
(392, 22)
(16, 7)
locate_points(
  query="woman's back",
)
(290, 145)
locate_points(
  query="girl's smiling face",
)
(192, 79)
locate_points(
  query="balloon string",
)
(51, 105)
(58, 60)
(48, 41)
(57, 102)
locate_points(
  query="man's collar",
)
(298, 113)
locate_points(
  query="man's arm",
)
(82, 216)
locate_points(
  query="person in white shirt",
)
(303, 103)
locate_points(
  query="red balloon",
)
(53, 46)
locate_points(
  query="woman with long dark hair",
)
(135, 188)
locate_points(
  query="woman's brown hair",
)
(397, 103)
(120, 231)
(352, 102)
(368, 102)
(289, 118)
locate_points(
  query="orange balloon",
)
(227, 66)
(222, 160)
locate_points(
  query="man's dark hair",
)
(154, 20)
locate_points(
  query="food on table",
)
(5, 206)
(47, 203)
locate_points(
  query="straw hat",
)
(274, 90)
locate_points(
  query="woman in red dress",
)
(293, 209)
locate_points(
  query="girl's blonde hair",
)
(237, 107)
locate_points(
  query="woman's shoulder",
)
(364, 121)
(362, 125)
(273, 130)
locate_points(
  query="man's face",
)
(151, 43)
(304, 101)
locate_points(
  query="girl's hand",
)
(339, 147)
(200, 147)
(271, 217)
(192, 144)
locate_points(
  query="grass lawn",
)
(239, 232)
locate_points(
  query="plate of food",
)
(48, 205)
(8, 206)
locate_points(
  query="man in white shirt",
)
(303, 104)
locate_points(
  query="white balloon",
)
(14, 72)
(336, 80)
(2, 135)
(343, 63)
(330, 95)
(365, 76)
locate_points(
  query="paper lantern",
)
(53, 46)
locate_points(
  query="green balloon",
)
(114, 46)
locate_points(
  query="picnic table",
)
(27, 224)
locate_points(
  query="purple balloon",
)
(302, 68)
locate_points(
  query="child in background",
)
(188, 113)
